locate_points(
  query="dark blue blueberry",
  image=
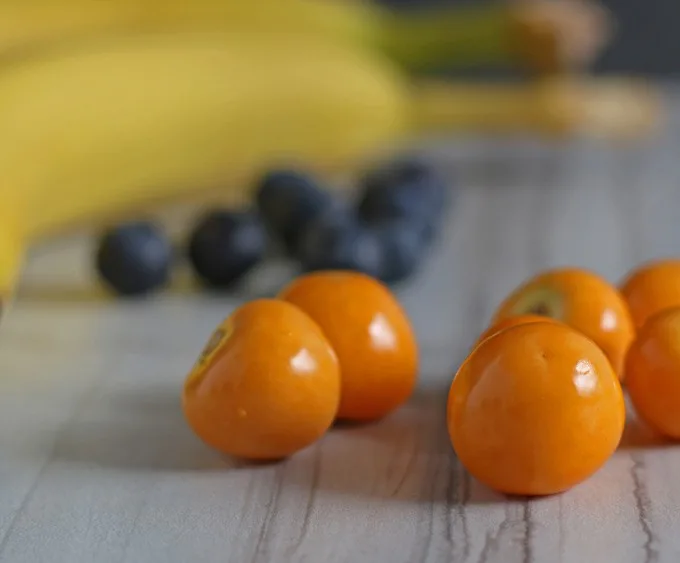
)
(403, 249)
(288, 201)
(406, 189)
(134, 258)
(224, 245)
(338, 241)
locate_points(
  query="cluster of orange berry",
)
(538, 404)
(535, 408)
(277, 373)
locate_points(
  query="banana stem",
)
(457, 36)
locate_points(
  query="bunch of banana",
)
(539, 34)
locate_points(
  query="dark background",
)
(647, 40)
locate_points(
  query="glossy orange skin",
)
(271, 388)
(653, 287)
(584, 301)
(653, 373)
(535, 409)
(508, 322)
(371, 335)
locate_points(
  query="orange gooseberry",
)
(581, 299)
(266, 385)
(371, 335)
(535, 409)
(508, 322)
(652, 287)
(653, 372)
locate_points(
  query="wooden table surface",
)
(98, 466)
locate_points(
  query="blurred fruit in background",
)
(107, 109)
(134, 258)
(404, 191)
(404, 248)
(339, 241)
(225, 245)
(288, 201)
(311, 224)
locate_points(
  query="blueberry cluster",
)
(384, 234)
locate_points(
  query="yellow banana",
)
(150, 110)
(540, 35)
(115, 123)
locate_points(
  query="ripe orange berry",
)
(653, 287)
(266, 385)
(582, 300)
(653, 372)
(371, 335)
(535, 409)
(508, 322)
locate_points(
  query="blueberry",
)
(338, 241)
(134, 258)
(407, 189)
(288, 201)
(224, 245)
(403, 247)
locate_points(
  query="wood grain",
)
(98, 466)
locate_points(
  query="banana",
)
(117, 123)
(24, 23)
(148, 111)
(542, 35)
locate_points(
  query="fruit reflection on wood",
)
(535, 408)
